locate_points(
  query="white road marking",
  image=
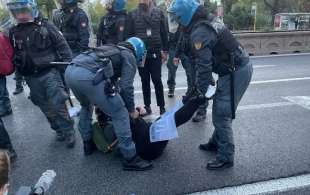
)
(241, 108)
(281, 55)
(255, 67)
(303, 101)
(266, 187)
(252, 83)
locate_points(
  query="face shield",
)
(22, 12)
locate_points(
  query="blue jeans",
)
(79, 81)
(5, 104)
(172, 69)
(221, 113)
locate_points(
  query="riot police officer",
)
(212, 48)
(112, 27)
(149, 23)
(104, 77)
(73, 22)
(36, 44)
(180, 50)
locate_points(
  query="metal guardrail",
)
(276, 42)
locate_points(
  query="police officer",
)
(73, 23)
(174, 59)
(104, 77)
(212, 48)
(36, 44)
(112, 27)
(201, 113)
(149, 23)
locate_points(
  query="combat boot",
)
(200, 116)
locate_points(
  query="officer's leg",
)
(57, 96)
(146, 88)
(39, 99)
(171, 73)
(19, 83)
(155, 70)
(5, 103)
(222, 113)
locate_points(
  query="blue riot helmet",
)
(140, 50)
(23, 11)
(119, 5)
(182, 11)
(115, 5)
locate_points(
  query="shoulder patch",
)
(198, 45)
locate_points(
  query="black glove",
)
(194, 95)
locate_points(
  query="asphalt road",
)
(272, 133)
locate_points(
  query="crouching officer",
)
(36, 44)
(73, 23)
(213, 48)
(104, 77)
(112, 27)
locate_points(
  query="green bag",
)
(104, 137)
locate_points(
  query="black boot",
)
(210, 147)
(137, 164)
(89, 147)
(162, 110)
(70, 139)
(218, 164)
(18, 90)
(171, 93)
(200, 116)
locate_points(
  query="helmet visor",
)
(22, 12)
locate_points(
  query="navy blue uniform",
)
(36, 45)
(73, 23)
(212, 48)
(112, 28)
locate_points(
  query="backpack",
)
(6, 56)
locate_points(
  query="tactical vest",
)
(92, 59)
(112, 28)
(69, 28)
(147, 28)
(33, 47)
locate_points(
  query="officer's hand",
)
(176, 61)
(134, 114)
(164, 56)
(141, 111)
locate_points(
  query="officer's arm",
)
(129, 68)
(83, 30)
(60, 44)
(100, 35)
(164, 32)
(201, 45)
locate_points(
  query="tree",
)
(277, 6)
(304, 5)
